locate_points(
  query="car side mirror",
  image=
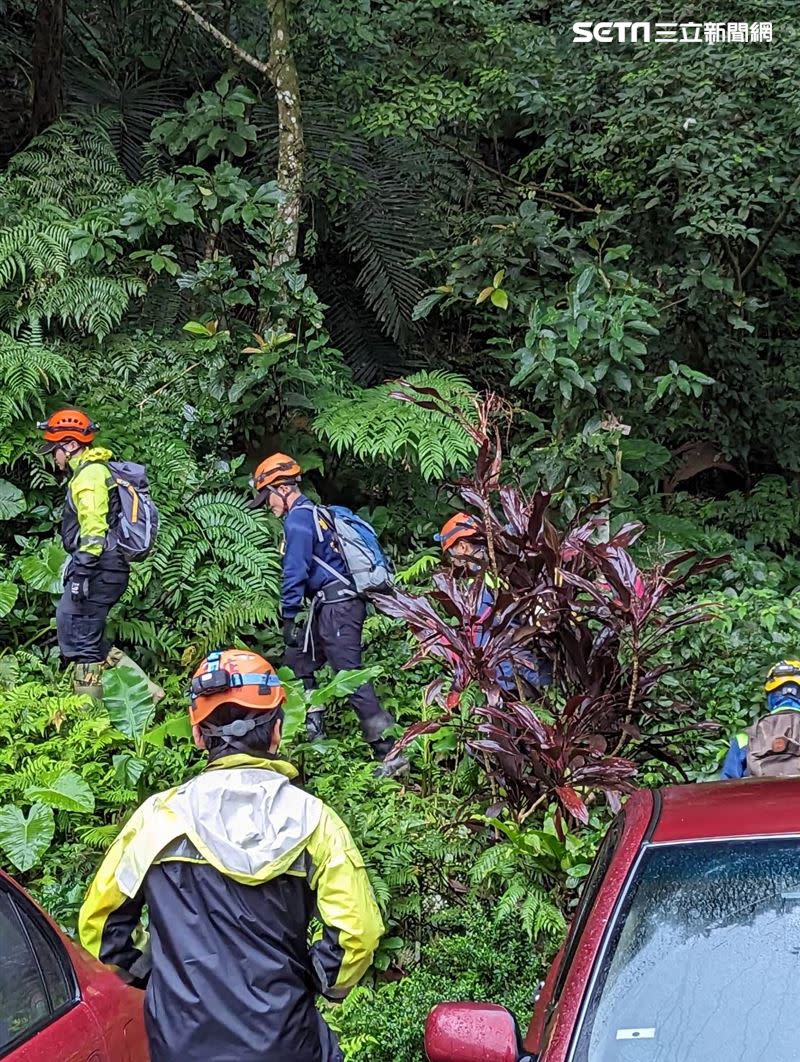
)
(471, 1032)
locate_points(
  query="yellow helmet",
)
(782, 673)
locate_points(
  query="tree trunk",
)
(291, 146)
(48, 64)
(282, 73)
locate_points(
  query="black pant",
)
(81, 625)
(336, 632)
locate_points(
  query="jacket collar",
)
(242, 759)
(91, 453)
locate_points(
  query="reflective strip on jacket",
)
(87, 517)
(233, 865)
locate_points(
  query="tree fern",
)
(373, 424)
(92, 304)
(71, 164)
(26, 373)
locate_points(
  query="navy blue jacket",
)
(302, 576)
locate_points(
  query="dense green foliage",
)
(605, 237)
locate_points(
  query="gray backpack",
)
(369, 568)
(773, 749)
(134, 533)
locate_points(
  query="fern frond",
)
(373, 424)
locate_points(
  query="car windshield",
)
(704, 960)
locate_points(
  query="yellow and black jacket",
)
(233, 865)
(91, 509)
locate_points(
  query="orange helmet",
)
(274, 470)
(67, 424)
(234, 676)
(462, 525)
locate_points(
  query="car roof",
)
(746, 808)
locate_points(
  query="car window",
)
(23, 1000)
(52, 961)
(703, 960)
(35, 979)
(591, 887)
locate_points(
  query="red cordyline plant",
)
(556, 595)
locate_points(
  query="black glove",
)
(292, 634)
(81, 569)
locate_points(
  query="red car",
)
(685, 946)
(57, 1004)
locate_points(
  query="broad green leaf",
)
(43, 570)
(26, 838)
(177, 726)
(8, 598)
(711, 280)
(498, 278)
(12, 500)
(68, 792)
(128, 769)
(341, 685)
(500, 298)
(195, 328)
(294, 707)
(128, 702)
(584, 280)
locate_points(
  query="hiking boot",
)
(390, 766)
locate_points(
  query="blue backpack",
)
(370, 569)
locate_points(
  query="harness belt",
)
(330, 594)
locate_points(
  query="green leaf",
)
(636, 345)
(342, 685)
(294, 707)
(25, 839)
(176, 726)
(613, 253)
(128, 769)
(500, 298)
(183, 212)
(425, 305)
(711, 280)
(68, 792)
(237, 144)
(498, 278)
(12, 500)
(195, 328)
(128, 702)
(621, 379)
(8, 598)
(740, 323)
(43, 570)
(80, 248)
(584, 280)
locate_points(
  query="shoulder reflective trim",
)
(742, 740)
(92, 540)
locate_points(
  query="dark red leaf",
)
(572, 803)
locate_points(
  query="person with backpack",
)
(232, 867)
(332, 561)
(108, 520)
(770, 748)
(462, 543)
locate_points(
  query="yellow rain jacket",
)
(90, 503)
(233, 865)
